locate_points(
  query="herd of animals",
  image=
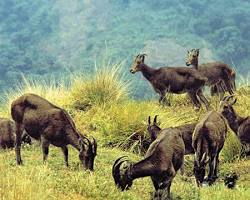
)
(35, 117)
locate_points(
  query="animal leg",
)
(65, 153)
(19, 131)
(212, 165)
(216, 166)
(203, 99)
(45, 148)
(228, 85)
(195, 100)
(164, 99)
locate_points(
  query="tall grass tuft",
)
(106, 87)
(53, 91)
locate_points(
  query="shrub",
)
(105, 88)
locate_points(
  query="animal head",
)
(192, 56)
(87, 152)
(120, 173)
(200, 169)
(153, 129)
(226, 106)
(137, 64)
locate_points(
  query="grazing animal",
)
(52, 125)
(208, 139)
(162, 161)
(186, 131)
(7, 134)
(173, 80)
(220, 76)
(239, 125)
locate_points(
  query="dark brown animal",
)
(52, 125)
(162, 161)
(186, 131)
(173, 80)
(220, 76)
(240, 125)
(7, 134)
(208, 140)
(153, 129)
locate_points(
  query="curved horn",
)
(155, 119)
(94, 144)
(116, 167)
(226, 98)
(235, 100)
(149, 120)
(117, 161)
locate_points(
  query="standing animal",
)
(173, 80)
(153, 129)
(208, 139)
(240, 125)
(7, 134)
(162, 161)
(220, 76)
(52, 125)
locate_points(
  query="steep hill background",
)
(43, 39)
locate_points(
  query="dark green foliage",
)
(46, 38)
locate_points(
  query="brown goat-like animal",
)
(186, 130)
(7, 134)
(239, 125)
(173, 80)
(163, 159)
(52, 125)
(220, 76)
(208, 140)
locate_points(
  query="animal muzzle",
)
(188, 63)
(132, 71)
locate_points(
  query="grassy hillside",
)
(119, 124)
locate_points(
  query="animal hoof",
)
(19, 162)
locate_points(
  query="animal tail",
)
(201, 135)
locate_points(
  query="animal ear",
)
(155, 119)
(197, 51)
(149, 120)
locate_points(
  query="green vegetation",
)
(119, 124)
(44, 39)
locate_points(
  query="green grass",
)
(53, 180)
(119, 125)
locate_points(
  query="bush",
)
(105, 88)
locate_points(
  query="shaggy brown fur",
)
(53, 125)
(173, 80)
(208, 140)
(7, 134)
(239, 125)
(220, 76)
(162, 161)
